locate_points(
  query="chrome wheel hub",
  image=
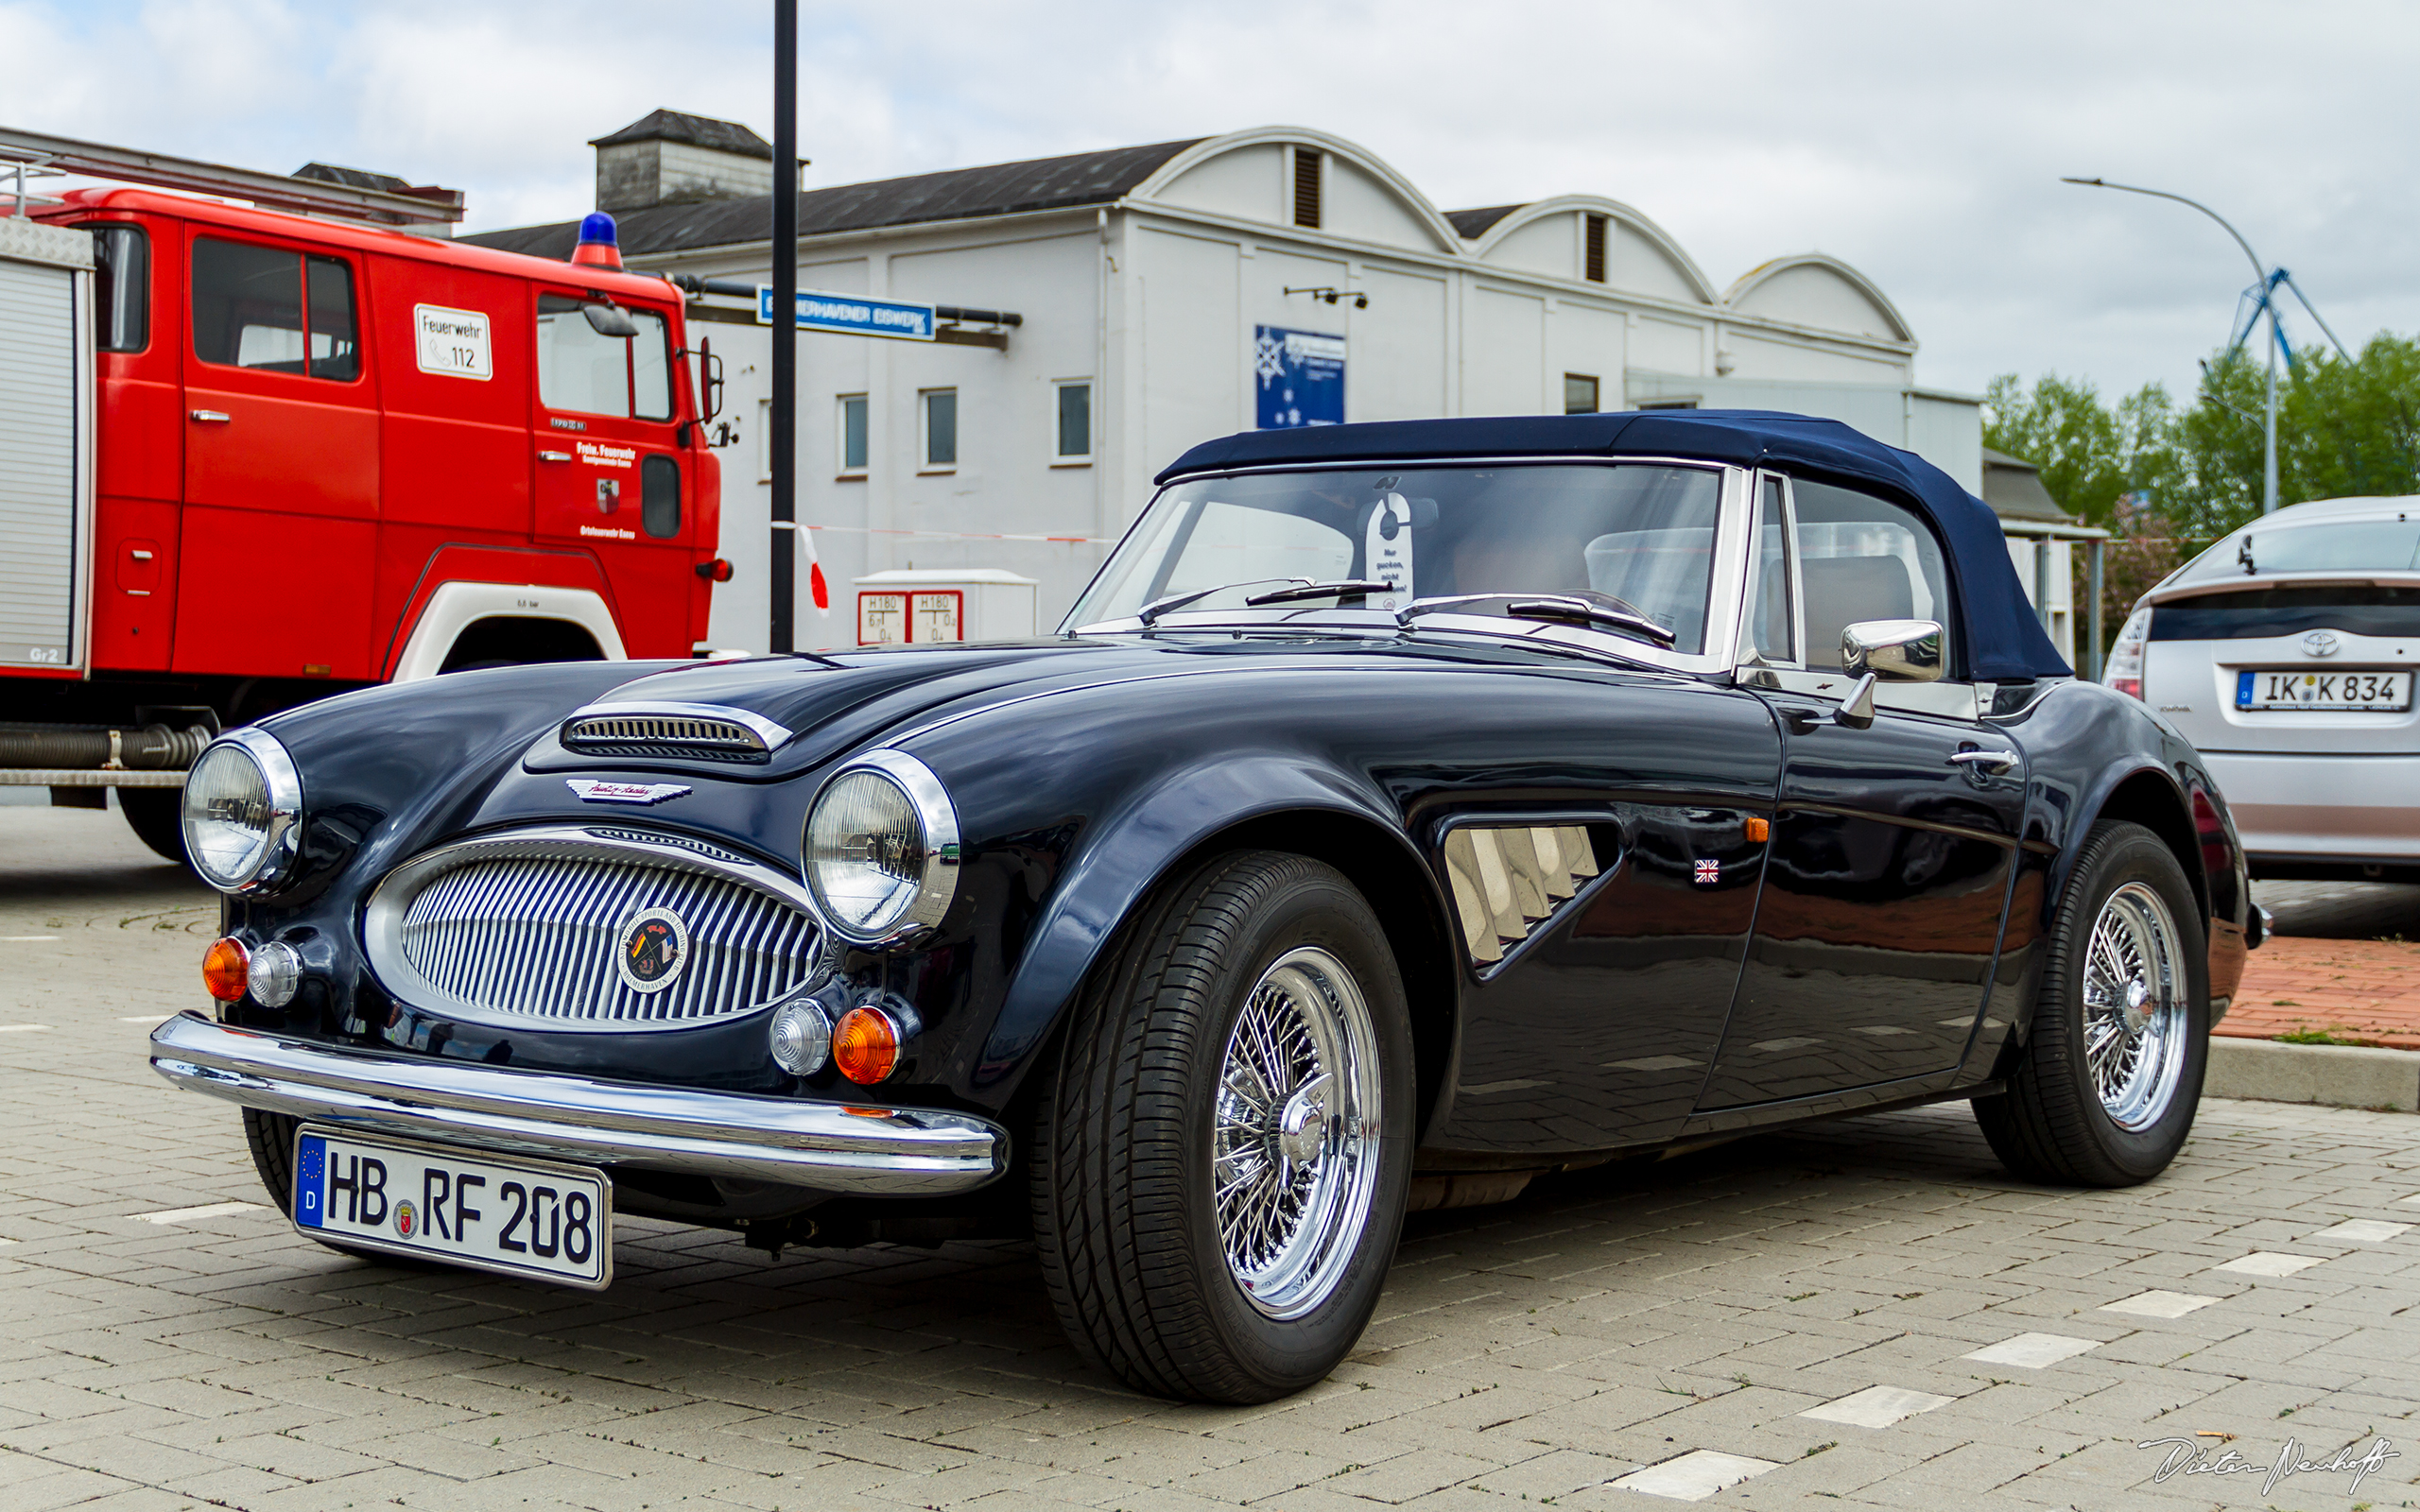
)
(1292, 1173)
(2136, 1022)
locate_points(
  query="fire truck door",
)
(608, 474)
(280, 485)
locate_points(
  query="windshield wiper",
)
(1158, 606)
(1333, 587)
(1553, 607)
(1615, 615)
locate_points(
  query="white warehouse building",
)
(1170, 292)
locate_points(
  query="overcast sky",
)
(1921, 141)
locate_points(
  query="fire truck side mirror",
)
(610, 321)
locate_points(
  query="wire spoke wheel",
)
(1292, 1176)
(2133, 1006)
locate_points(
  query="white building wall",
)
(1156, 304)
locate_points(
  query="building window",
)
(939, 427)
(1578, 394)
(1307, 187)
(851, 426)
(1593, 266)
(1071, 414)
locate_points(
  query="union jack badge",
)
(1709, 871)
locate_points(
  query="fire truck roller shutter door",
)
(456, 610)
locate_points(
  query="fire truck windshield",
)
(592, 374)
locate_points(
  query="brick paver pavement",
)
(2354, 991)
(2345, 963)
(1870, 1312)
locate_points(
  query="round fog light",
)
(865, 1045)
(802, 1037)
(276, 974)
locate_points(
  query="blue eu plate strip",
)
(310, 1163)
(2243, 690)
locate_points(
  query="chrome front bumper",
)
(886, 1151)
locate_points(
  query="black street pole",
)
(783, 580)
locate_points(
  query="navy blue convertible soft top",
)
(2000, 638)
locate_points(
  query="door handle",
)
(1998, 761)
(209, 417)
(554, 457)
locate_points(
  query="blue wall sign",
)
(853, 315)
(1301, 377)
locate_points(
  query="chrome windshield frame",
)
(1726, 592)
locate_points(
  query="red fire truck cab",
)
(322, 456)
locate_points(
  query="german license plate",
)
(2386, 692)
(530, 1218)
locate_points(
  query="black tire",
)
(2052, 1124)
(271, 1138)
(156, 814)
(1125, 1212)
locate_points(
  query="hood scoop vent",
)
(688, 731)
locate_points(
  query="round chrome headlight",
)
(881, 851)
(242, 803)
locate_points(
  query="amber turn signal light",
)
(1758, 830)
(226, 969)
(865, 1045)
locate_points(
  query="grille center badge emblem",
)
(2319, 643)
(595, 790)
(649, 950)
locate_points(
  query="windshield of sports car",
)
(1640, 536)
(2331, 546)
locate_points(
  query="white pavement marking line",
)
(2031, 1351)
(1876, 1407)
(1671, 1063)
(209, 1210)
(2268, 1263)
(1516, 1085)
(1695, 1475)
(2159, 1304)
(22, 1028)
(1774, 1047)
(2363, 1231)
(26, 939)
(2413, 1199)
(148, 1018)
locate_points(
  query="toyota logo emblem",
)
(2319, 643)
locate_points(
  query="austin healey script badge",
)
(651, 948)
(595, 790)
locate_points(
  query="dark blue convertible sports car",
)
(1404, 811)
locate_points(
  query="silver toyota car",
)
(2285, 653)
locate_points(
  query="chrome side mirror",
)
(1893, 651)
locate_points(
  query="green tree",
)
(2090, 453)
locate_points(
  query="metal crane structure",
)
(2258, 300)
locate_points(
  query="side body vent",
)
(689, 732)
(1508, 880)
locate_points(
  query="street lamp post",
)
(2260, 274)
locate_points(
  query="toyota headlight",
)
(881, 851)
(243, 801)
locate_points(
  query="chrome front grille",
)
(524, 928)
(692, 732)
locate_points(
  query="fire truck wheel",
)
(153, 815)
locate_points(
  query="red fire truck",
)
(252, 458)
